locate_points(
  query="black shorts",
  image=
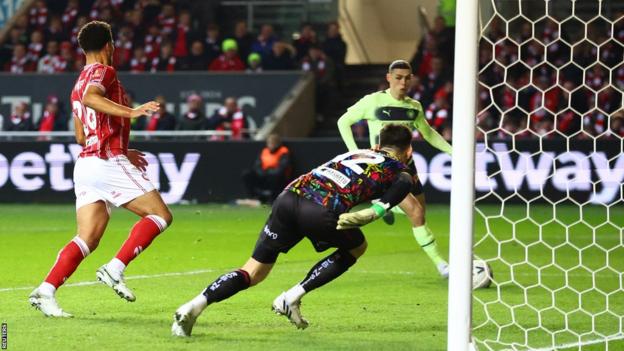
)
(292, 218)
(417, 188)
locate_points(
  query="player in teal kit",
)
(316, 205)
(393, 106)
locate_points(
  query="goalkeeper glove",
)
(362, 217)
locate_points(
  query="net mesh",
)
(549, 172)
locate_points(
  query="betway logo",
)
(565, 171)
(27, 170)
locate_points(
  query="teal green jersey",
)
(379, 109)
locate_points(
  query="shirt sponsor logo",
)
(269, 233)
(335, 176)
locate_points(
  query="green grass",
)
(392, 299)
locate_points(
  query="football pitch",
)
(392, 299)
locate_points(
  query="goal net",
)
(549, 167)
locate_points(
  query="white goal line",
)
(200, 271)
(614, 337)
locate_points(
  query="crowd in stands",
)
(229, 118)
(555, 91)
(163, 36)
(154, 35)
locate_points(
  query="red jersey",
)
(106, 135)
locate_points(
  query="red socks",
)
(142, 234)
(67, 261)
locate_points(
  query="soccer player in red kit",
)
(106, 173)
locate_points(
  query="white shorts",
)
(115, 181)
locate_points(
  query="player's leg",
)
(323, 272)
(276, 236)
(224, 287)
(91, 221)
(155, 218)
(319, 224)
(414, 207)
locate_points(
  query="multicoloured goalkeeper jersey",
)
(349, 179)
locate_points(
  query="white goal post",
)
(462, 176)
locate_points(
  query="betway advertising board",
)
(211, 171)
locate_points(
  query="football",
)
(482, 274)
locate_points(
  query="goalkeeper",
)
(393, 106)
(316, 205)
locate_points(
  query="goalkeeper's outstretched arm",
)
(392, 197)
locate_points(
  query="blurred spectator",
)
(323, 69)
(39, 14)
(196, 60)
(264, 43)
(135, 20)
(152, 42)
(67, 57)
(434, 80)
(51, 118)
(305, 39)
(6, 48)
(271, 171)
(97, 7)
(166, 61)
(81, 21)
(183, 35)
(161, 120)
(335, 48)
(70, 15)
(445, 39)
(20, 62)
(194, 118)
(254, 63)
(243, 38)
(213, 42)
(228, 117)
(123, 47)
(282, 57)
(19, 120)
(416, 90)
(139, 62)
(55, 29)
(51, 62)
(79, 64)
(438, 113)
(617, 125)
(35, 48)
(229, 60)
(427, 50)
(167, 19)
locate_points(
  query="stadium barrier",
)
(210, 171)
(258, 94)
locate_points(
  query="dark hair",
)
(94, 35)
(397, 136)
(399, 64)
